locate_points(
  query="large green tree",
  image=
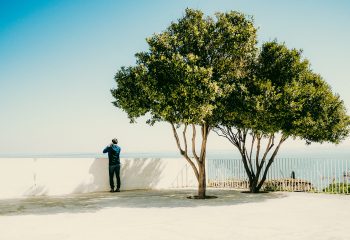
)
(282, 98)
(183, 77)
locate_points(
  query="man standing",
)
(113, 151)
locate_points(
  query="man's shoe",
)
(111, 190)
(117, 190)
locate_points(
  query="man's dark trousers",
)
(114, 169)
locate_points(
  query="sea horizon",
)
(213, 154)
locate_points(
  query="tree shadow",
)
(92, 202)
(139, 173)
(98, 180)
(36, 190)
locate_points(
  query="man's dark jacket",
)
(113, 154)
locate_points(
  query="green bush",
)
(270, 187)
(337, 188)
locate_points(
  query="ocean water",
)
(211, 154)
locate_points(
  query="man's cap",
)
(114, 140)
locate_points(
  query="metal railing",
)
(285, 174)
(182, 178)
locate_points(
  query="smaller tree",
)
(282, 98)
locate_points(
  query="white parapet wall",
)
(20, 177)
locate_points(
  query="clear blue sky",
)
(58, 59)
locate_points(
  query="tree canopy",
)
(282, 96)
(187, 68)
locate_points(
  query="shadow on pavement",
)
(92, 202)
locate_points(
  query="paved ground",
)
(170, 215)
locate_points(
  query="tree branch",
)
(248, 170)
(227, 133)
(244, 149)
(240, 138)
(257, 151)
(205, 134)
(272, 158)
(182, 152)
(184, 138)
(268, 148)
(251, 147)
(194, 143)
(233, 136)
(242, 135)
(177, 139)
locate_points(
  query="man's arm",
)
(106, 149)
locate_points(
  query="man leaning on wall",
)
(113, 151)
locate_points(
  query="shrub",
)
(337, 188)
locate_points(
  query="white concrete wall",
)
(55, 176)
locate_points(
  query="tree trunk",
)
(253, 185)
(201, 163)
(201, 181)
(238, 139)
(199, 168)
